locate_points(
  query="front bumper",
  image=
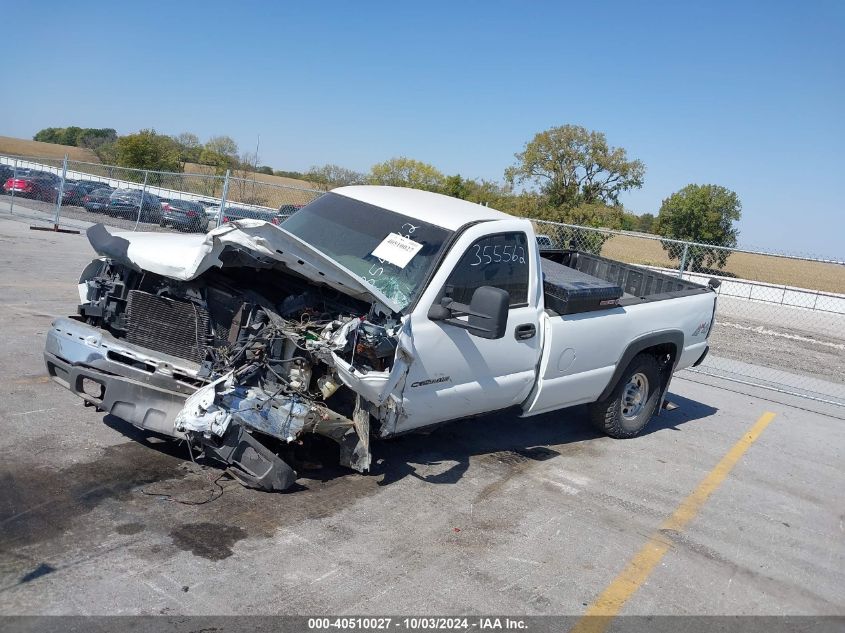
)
(119, 378)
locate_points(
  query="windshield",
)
(349, 231)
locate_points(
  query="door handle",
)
(524, 331)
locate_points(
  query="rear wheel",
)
(629, 407)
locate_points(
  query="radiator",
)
(178, 328)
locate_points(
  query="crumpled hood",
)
(186, 257)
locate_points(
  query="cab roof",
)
(434, 208)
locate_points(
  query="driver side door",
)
(455, 373)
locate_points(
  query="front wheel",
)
(629, 407)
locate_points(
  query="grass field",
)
(764, 268)
(191, 168)
(21, 147)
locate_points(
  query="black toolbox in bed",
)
(569, 291)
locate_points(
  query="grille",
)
(177, 328)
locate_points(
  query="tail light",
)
(86, 199)
(191, 214)
(225, 219)
(275, 221)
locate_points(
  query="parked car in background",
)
(184, 215)
(6, 172)
(544, 242)
(37, 185)
(73, 193)
(97, 200)
(92, 185)
(287, 210)
(230, 214)
(37, 173)
(126, 203)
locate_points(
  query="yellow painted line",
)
(601, 612)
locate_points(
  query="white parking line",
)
(36, 411)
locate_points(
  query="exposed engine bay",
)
(275, 355)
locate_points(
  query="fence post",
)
(141, 204)
(223, 199)
(683, 261)
(60, 193)
(14, 177)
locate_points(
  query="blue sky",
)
(746, 95)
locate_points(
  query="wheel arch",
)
(669, 342)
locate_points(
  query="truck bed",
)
(575, 281)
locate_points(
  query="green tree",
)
(218, 162)
(70, 136)
(189, 147)
(572, 165)
(74, 136)
(630, 221)
(223, 145)
(148, 150)
(220, 153)
(107, 153)
(47, 135)
(645, 223)
(704, 214)
(457, 187)
(92, 138)
(289, 174)
(330, 176)
(407, 172)
(265, 169)
(490, 194)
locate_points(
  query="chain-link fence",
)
(73, 194)
(780, 319)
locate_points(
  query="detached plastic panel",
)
(569, 291)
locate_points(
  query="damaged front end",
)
(246, 361)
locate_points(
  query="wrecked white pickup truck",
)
(371, 312)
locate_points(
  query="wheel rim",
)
(634, 396)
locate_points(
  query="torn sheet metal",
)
(377, 386)
(201, 413)
(185, 257)
(212, 408)
(282, 418)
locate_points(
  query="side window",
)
(500, 261)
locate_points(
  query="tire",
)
(629, 407)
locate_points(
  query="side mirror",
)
(487, 312)
(439, 312)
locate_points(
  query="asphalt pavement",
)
(497, 514)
